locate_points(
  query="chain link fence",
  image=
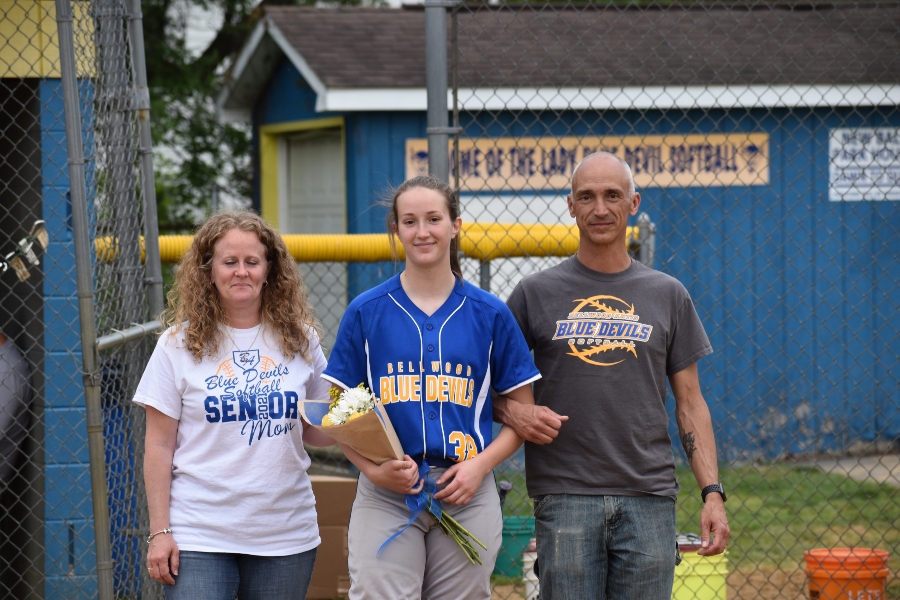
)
(70, 158)
(765, 142)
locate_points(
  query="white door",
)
(314, 200)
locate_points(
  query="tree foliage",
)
(196, 155)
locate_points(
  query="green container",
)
(517, 532)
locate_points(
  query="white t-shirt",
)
(239, 481)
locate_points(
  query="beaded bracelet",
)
(153, 535)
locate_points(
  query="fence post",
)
(647, 240)
(152, 266)
(484, 275)
(85, 286)
(436, 87)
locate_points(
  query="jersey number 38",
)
(464, 446)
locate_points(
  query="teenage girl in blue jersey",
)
(432, 347)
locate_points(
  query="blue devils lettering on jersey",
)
(439, 387)
(434, 373)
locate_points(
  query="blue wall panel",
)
(70, 563)
(287, 98)
(62, 325)
(68, 493)
(376, 151)
(63, 390)
(61, 451)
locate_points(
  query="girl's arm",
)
(401, 476)
(465, 477)
(318, 390)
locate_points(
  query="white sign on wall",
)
(864, 164)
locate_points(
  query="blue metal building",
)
(794, 268)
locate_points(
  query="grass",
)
(777, 512)
(517, 502)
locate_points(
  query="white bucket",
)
(532, 588)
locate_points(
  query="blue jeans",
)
(605, 547)
(223, 576)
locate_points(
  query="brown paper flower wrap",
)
(371, 434)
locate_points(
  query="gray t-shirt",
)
(15, 394)
(605, 345)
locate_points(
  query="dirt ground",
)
(759, 584)
(509, 592)
(772, 584)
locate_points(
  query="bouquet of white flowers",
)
(348, 405)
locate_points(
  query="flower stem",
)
(451, 527)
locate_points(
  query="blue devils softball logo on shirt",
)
(602, 330)
(248, 390)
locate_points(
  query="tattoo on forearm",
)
(687, 442)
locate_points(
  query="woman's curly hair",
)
(193, 302)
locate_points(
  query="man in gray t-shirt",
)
(15, 393)
(607, 333)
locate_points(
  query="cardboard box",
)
(334, 499)
(343, 586)
(330, 578)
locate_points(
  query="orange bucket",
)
(846, 573)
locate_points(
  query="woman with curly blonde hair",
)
(232, 512)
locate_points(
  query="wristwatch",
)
(715, 487)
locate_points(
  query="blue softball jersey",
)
(434, 374)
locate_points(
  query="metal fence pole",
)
(153, 269)
(436, 86)
(454, 77)
(484, 275)
(647, 239)
(84, 277)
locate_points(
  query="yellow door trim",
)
(269, 163)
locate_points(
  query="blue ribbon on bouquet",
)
(419, 502)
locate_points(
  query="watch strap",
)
(715, 487)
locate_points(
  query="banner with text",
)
(546, 163)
